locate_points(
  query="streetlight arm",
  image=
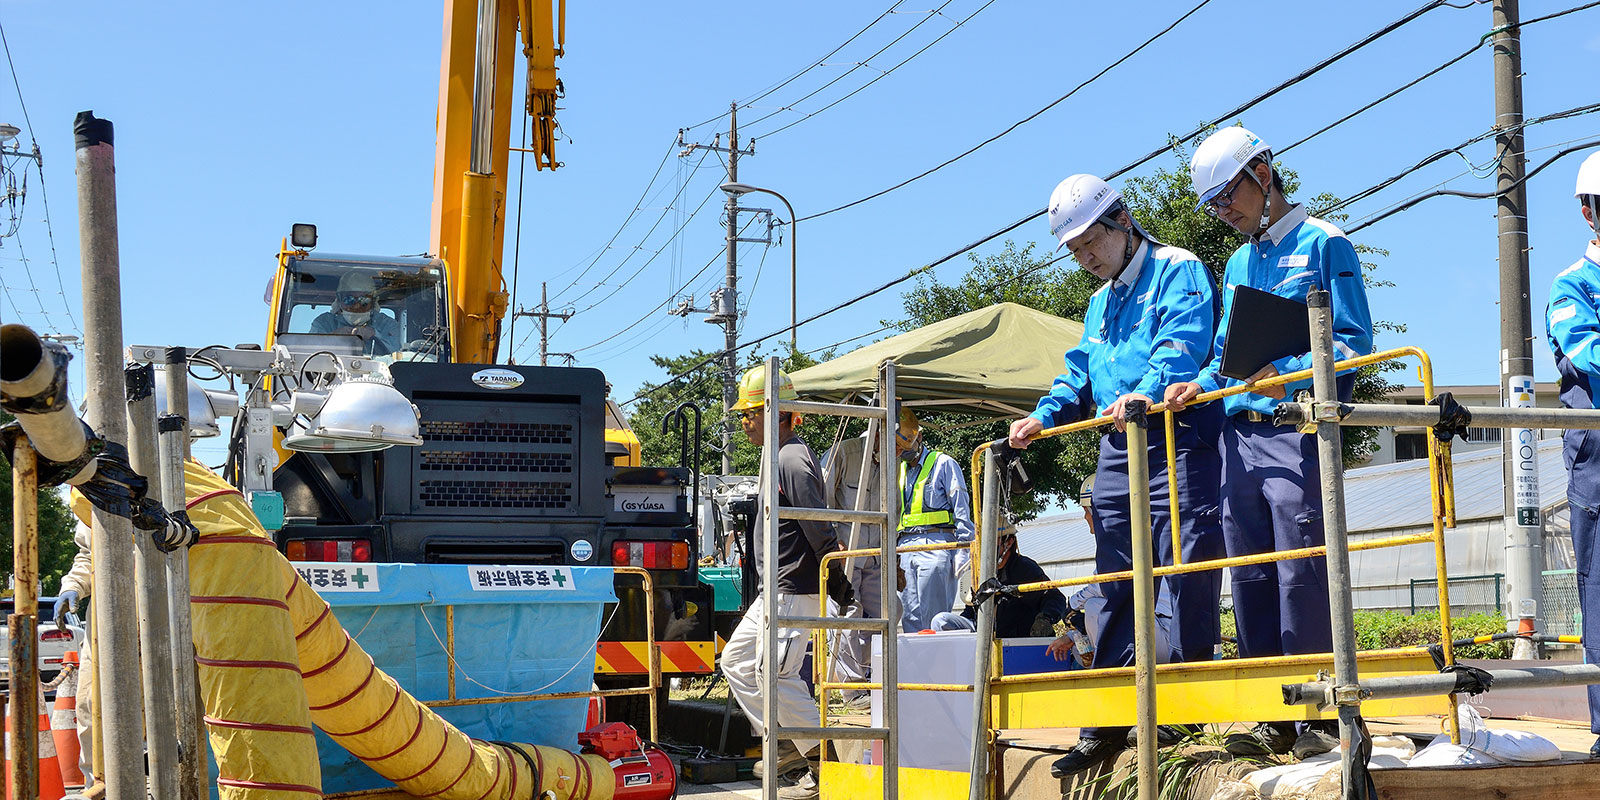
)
(737, 189)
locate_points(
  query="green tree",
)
(703, 388)
(56, 525)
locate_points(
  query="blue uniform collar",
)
(1283, 227)
(1130, 275)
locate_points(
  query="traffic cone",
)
(64, 722)
(50, 785)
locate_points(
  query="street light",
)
(734, 190)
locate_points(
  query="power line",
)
(619, 287)
(858, 65)
(625, 220)
(1391, 211)
(1319, 66)
(792, 78)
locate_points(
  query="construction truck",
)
(518, 464)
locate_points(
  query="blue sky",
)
(235, 120)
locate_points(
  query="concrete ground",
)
(738, 790)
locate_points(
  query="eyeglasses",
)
(750, 414)
(357, 301)
(1224, 198)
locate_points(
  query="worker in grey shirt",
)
(801, 545)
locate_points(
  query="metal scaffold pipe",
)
(119, 720)
(1330, 463)
(978, 781)
(1387, 415)
(22, 740)
(1316, 692)
(150, 573)
(173, 428)
(1144, 598)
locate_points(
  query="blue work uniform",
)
(1271, 495)
(1573, 323)
(931, 576)
(1149, 327)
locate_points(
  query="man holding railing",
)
(1271, 496)
(1150, 326)
(1573, 323)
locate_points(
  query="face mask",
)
(355, 318)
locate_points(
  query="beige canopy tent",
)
(996, 361)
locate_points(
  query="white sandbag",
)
(1301, 780)
(1504, 745)
(1441, 753)
(1235, 790)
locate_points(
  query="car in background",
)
(53, 642)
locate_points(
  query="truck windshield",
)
(396, 308)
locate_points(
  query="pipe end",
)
(89, 130)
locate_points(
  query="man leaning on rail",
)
(1573, 322)
(1149, 326)
(1271, 496)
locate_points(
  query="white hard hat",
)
(1589, 176)
(1219, 158)
(1078, 202)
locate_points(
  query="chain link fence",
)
(1562, 616)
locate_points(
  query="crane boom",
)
(473, 145)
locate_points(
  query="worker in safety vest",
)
(935, 508)
(1149, 326)
(1573, 322)
(801, 545)
(1271, 497)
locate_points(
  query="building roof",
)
(1377, 498)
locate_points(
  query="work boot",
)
(1166, 735)
(789, 759)
(1086, 754)
(1594, 750)
(1266, 738)
(800, 784)
(1315, 740)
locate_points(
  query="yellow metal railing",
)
(1439, 475)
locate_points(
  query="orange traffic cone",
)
(50, 785)
(64, 722)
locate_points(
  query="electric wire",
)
(1395, 209)
(858, 65)
(653, 255)
(1303, 75)
(516, 247)
(625, 220)
(44, 195)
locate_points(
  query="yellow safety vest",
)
(915, 517)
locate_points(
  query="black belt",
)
(1254, 416)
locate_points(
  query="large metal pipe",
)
(889, 493)
(1316, 692)
(1330, 462)
(770, 445)
(150, 574)
(173, 428)
(988, 532)
(33, 381)
(120, 724)
(1144, 598)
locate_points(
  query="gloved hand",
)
(66, 603)
(840, 590)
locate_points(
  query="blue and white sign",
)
(497, 578)
(582, 550)
(338, 576)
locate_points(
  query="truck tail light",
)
(329, 550)
(55, 635)
(650, 555)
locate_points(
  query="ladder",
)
(887, 674)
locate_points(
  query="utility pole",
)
(544, 314)
(724, 309)
(1524, 545)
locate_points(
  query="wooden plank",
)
(1564, 780)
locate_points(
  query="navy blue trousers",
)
(1585, 521)
(1271, 501)
(1193, 630)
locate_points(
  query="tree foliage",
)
(703, 388)
(56, 526)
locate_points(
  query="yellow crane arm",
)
(473, 145)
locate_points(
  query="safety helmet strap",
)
(1109, 219)
(1593, 202)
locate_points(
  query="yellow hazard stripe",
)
(632, 658)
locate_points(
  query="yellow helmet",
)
(753, 388)
(910, 427)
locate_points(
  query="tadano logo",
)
(497, 378)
